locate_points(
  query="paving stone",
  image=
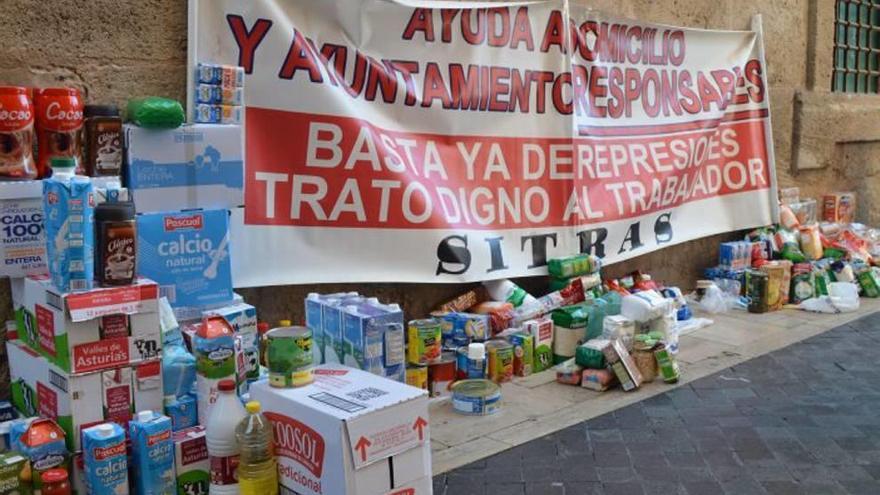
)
(545, 488)
(505, 489)
(628, 488)
(702, 488)
(583, 488)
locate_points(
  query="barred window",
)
(857, 46)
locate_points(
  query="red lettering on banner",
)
(343, 172)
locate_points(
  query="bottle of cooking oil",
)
(257, 469)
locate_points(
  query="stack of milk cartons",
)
(357, 331)
(219, 94)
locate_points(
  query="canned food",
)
(417, 376)
(425, 339)
(470, 365)
(500, 357)
(289, 356)
(441, 374)
(476, 397)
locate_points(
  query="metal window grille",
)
(857, 46)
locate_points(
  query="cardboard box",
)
(349, 432)
(623, 366)
(22, 238)
(193, 166)
(88, 331)
(40, 388)
(187, 254)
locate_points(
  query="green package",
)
(613, 300)
(821, 281)
(154, 112)
(574, 316)
(869, 281)
(15, 474)
(590, 355)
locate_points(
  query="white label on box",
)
(385, 433)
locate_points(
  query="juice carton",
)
(15, 474)
(523, 353)
(41, 442)
(69, 210)
(242, 317)
(373, 339)
(105, 459)
(191, 463)
(315, 321)
(541, 330)
(152, 454)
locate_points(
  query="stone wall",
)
(116, 49)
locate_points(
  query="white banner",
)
(449, 141)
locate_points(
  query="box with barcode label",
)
(75, 402)
(349, 432)
(93, 330)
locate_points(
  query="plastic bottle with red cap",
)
(223, 449)
(55, 482)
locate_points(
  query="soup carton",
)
(41, 442)
(187, 253)
(92, 330)
(69, 212)
(191, 464)
(15, 474)
(105, 460)
(373, 339)
(152, 453)
(76, 402)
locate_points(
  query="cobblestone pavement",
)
(804, 419)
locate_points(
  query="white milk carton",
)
(191, 464)
(105, 460)
(22, 238)
(152, 455)
(373, 339)
(350, 432)
(315, 319)
(69, 220)
(192, 166)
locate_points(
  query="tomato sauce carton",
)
(105, 459)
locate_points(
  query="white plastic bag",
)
(843, 298)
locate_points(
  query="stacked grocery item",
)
(801, 261)
(219, 94)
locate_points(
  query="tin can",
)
(289, 356)
(417, 376)
(476, 397)
(667, 365)
(757, 290)
(425, 339)
(441, 374)
(500, 357)
(467, 366)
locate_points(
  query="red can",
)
(59, 127)
(16, 134)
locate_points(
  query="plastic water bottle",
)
(223, 451)
(257, 469)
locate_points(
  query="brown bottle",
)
(103, 140)
(116, 244)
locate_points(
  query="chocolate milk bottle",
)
(115, 246)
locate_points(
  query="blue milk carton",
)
(315, 321)
(187, 254)
(183, 411)
(69, 211)
(152, 454)
(331, 320)
(374, 339)
(105, 459)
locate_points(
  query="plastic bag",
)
(714, 300)
(154, 112)
(811, 244)
(178, 370)
(843, 298)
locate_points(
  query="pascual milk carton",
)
(105, 459)
(152, 453)
(69, 211)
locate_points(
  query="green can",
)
(667, 364)
(289, 356)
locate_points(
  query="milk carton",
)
(373, 339)
(218, 357)
(182, 411)
(152, 454)
(191, 464)
(242, 317)
(69, 209)
(188, 255)
(541, 330)
(332, 325)
(315, 319)
(105, 460)
(22, 238)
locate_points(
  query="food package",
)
(597, 380)
(591, 354)
(839, 207)
(155, 112)
(811, 242)
(644, 306)
(569, 373)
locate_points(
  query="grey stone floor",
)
(804, 419)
